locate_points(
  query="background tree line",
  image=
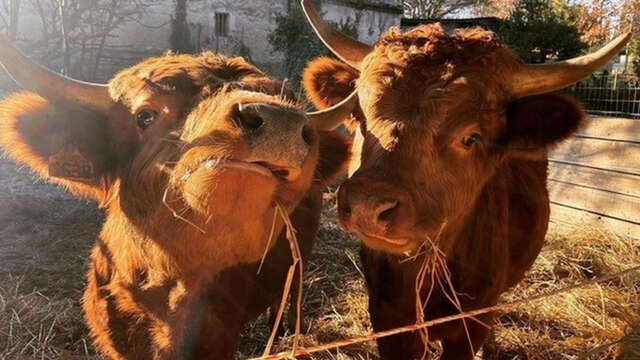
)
(75, 33)
(546, 29)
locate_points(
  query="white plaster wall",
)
(248, 24)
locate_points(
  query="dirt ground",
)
(45, 237)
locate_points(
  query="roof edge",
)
(416, 21)
(384, 5)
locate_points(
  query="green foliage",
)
(633, 56)
(295, 37)
(540, 30)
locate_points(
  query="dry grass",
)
(588, 323)
(334, 305)
(45, 238)
(596, 322)
(35, 326)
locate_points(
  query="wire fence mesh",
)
(607, 94)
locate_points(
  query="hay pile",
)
(596, 322)
(34, 326)
(45, 237)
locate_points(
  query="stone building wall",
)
(249, 24)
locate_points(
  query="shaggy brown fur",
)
(444, 156)
(326, 82)
(174, 271)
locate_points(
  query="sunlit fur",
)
(326, 82)
(173, 273)
(486, 206)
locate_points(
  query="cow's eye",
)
(144, 118)
(471, 139)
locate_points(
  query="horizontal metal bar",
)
(596, 188)
(619, 171)
(634, 142)
(595, 213)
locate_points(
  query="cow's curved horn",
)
(38, 79)
(330, 118)
(347, 49)
(544, 78)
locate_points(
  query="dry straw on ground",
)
(595, 322)
(45, 238)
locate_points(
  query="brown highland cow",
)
(450, 162)
(189, 155)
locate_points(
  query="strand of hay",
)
(420, 305)
(429, 266)
(175, 213)
(268, 246)
(435, 263)
(415, 327)
(297, 261)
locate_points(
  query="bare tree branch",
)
(435, 8)
(75, 33)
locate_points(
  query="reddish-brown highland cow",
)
(189, 155)
(450, 152)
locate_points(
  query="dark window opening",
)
(222, 24)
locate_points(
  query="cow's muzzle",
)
(279, 138)
(377, 211)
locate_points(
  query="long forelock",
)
(205, 73)
(423, 64)
(431, 45)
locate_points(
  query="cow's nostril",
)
(386, 211)
(347, 211)
(281, 173)
(249, 121)
(307, 135)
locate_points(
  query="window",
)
(222, 24)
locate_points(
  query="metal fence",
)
(609, 94)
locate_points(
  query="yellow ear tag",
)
(69, 163)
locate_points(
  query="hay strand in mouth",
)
(268, 246)
(176, 215)
(420, 305)
(297, 261)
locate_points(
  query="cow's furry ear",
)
(64, 143)
(537, 122)
(327, 81)
(335, 153)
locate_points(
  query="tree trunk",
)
(180, 38)
(65, 39)
(14, 11)
(43, 19)
(103, 39)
